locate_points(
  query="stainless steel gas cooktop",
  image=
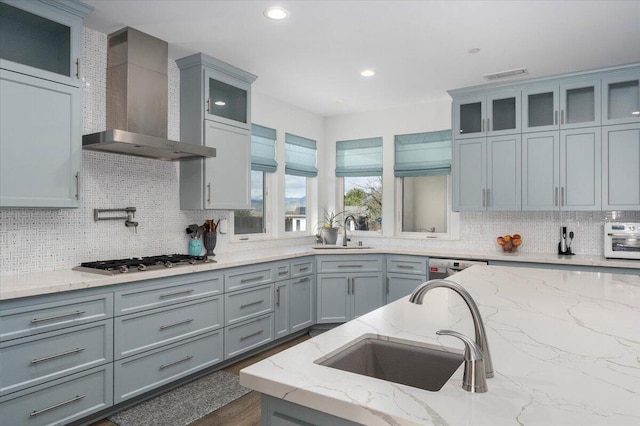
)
(140, 264)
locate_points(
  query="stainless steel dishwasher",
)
(442, 268)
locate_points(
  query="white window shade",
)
(263, 149)
(423, 154)
(300, 156)
(359, 157)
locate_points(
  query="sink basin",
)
(336, 247)
(417, 366)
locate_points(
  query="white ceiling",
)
(419, 49)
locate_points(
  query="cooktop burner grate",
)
(116, 266)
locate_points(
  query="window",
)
(359, 163)
(263, 161)
(423, 166)
(300, 164)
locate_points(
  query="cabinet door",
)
(580, 169)
(401, 285)
(503, 113)
(333, 302)
(227, 176)
(540, 171)
(540, 107)
(580, 104)
(469, 174)
(469, 117)
(366, 293)
(227, 100)
(282, 309)
(301, 303)
(503, 191)
(40, 145)
(621, 167)
(621, 99)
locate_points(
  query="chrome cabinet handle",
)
(555, 117)
(302, 280)
(70, 314)
(208, 105)
(488, 197)
(209, 193)
(248, 280)
(53, 407)
(488, 124)
(175, 293)
(187, 321)
(404, 266)
(306, 268)
(283, 272)
(484, 198)
(77, 185)
(278, 296)
(257, 333)
(186, 358)
(78, 68)
(555, 202)
(350, 266)
(61, 354)
(348, 286)
(246, 305)
(353, 286)
(387, 285)
(563, 196)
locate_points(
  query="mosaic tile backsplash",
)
(42, 239)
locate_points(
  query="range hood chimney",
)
(137, 101)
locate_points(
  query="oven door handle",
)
(613, 234)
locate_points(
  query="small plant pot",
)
(330, 235)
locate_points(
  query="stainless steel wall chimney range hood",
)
(137, 98)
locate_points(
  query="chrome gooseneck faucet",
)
(481, 335)
(346, 220)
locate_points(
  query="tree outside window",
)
(363, 200)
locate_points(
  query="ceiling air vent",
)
(505, 74)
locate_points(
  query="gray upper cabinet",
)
(40, 106)
(621, 99)
(491, 115)
(621, 167)
(561, 106)
(215, 111)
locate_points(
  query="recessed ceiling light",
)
(276, 13)
(474, 50)
(635, 113)
(220, 103)
(368, 73)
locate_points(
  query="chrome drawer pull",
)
(257, 333)
(47, 358)
(186, 358)
(350, 266)
(405, 266)
(175, 293)
(284, 272)
(246, 305)
(53, 407)
(248, 280)
(70, 314)
(306, 268)
(187, 321)
(302, 280)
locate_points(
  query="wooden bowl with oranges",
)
(510, 243)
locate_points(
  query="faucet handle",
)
(474, 379)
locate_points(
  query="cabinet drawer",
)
(246, 304)
(138, 374)
(301, 268)
(61, 401)
(240, 278)
(167, 291)
(283, 271)
(246, 336)
(34, 360)
(407, 265)
(140, 332)
(348, 263)
(25, 321)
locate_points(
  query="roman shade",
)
(263, 149)
(300, 156)
(359, 157)
(423, 154)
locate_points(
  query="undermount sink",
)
(337, 247)
(421, 367)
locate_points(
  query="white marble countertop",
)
(565, 348)
(39, 283)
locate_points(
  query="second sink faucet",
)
(346, 220)
(481, 335)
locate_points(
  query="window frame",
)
(310, 230)
(358, 233)
(267, 203)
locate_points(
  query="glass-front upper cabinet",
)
(492, 115)
(227, 100)
(563, 106)
(621, 99)
(40, 40)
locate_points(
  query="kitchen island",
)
(565, 348)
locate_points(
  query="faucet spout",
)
(346, 220)
(481, 335)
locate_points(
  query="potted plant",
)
(330, 226)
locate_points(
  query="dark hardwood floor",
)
(244, 411)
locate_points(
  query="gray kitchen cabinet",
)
(278, 412)
(621, 98)
(248, 335)
(568, 104)
(215, 111)
(40, 106)
(404, 274)
(302, 303)
(487, 173)
(621, 167)
(562, 170)
(487, 115)
(295, 297)
(242, 305)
